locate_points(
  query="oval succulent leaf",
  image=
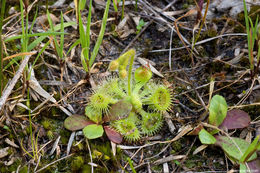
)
(119, 110)
(93, 131)
(76, 122)
(236, 119)
(113, 135)
(217, 110)
(206, 138)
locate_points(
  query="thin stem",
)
(130, 75)
(123, 10)
(115, 5)
(1, 45)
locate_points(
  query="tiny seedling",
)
(130, 108)
(140, 26)
(237, 150)
(252, 34)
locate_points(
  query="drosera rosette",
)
(124, 108)
(101, 100)
(114, 87)
(160, 98)
(151, 123)
(128, 127)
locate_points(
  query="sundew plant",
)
(133, 107)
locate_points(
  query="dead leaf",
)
(43, 20)
(4, 152)
(8, 141)
(145, 63)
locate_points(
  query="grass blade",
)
(56, 45)
(101, 34)
(88, 30)
(62, 35)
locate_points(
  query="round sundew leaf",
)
(93, 131)
(113, 135)
(76, 122)
(143, 74)
(217, 110)
(235, 119)
(206, 138)
(119, 110)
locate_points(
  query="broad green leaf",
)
(242, 168)
(217, 110)
(76, 122)
(206, 138)
(93, 131)
(234, 147)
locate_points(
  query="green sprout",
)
(140, 26)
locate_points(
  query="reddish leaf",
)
(113, 135)
(119, 110)
(76, 122)
(254, 166)
(235, 119)
(196, 130)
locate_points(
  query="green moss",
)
(11, 168)
(254, 12)
(46, 124)
(177, 145)
(77, 163)
(86, 168)
(50, 135)
(65, 134)
(24, 169)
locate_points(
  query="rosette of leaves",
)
(129, 108)
(95, 123)
(238, 150)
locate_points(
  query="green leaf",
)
(234, 147)
(250, 150)
(100, 36)
(62, 36)
(242, 168)
(93, 131)
(206, 138)
(217, 110)
(82, 4)
(119, 110)
(93, 115)
(76, 122)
